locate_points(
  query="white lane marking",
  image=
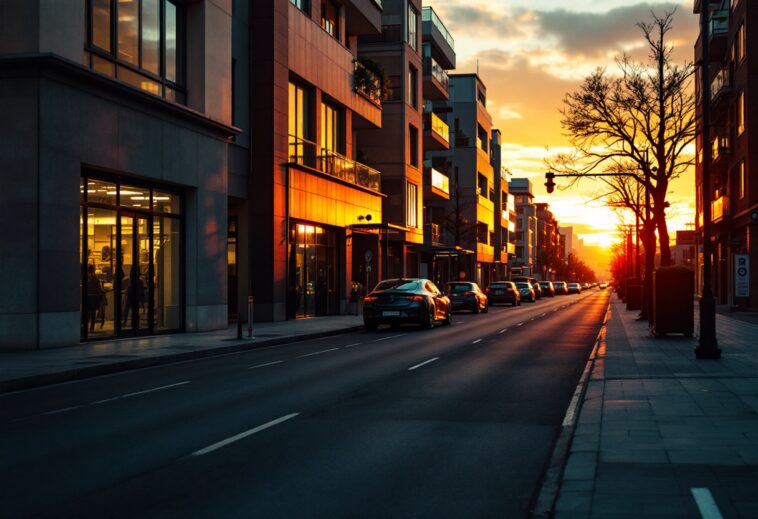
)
(137, 393)
(705, 503)
(317, 353)
(65, 409)
(242, 435)
(532, 319)
(504, 330)
(476, 341)
(390, 337)
(520, 324)
(352, 345)
(543, 315)
(266, 364)
(423, 363)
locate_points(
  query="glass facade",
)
(132, 259)
(313, 273)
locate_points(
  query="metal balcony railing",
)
(720, 208)
(434, 69)
(440, 181)
(307, 153)
(428, 14)
(437, 125)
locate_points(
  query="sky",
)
(530, 54)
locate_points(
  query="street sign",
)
(742, 275)
(368, 256)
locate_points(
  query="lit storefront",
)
(313, 273)
(132, 259)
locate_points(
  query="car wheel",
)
(371, 326)
(428, 323)
(476, 308)
(448, 318)
(515, 302)
(486, 308)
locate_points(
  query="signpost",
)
(742, 275)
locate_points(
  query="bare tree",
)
(643, 118)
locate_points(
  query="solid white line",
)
(520, 324)
(65, 409)
(478, 340)
(266, 364)
(705, 503)
(423, 364)
(504, 330)
(354, 344)
(317, 353)
(390, 337)
(242, 435)
(136, 393)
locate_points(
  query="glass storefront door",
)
(314, 278)
(131, 260)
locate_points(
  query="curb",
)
(551, 481)
(35, 381)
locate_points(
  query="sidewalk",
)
(655, 423)
(26, 369)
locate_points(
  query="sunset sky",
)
(531, 53)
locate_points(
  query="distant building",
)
(524, 260)
(683, 250)
(569, 240)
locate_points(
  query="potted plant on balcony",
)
(673, 301)
(370, 79)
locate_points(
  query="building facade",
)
(525, 259)
(113, 159)
(734, 143)
(549, 251)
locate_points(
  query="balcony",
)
(720, 86)
(720, 147)
(510, 248)
(437, 185)
(436, 81)
(719, 33)
(307, 153)
(434, 32)
(720, 209)
(436, 133)
(368, 83)
(363, 16)
(434, 234)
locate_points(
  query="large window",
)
(301, 150)
(411, 217)
(741, 114)
(330, 128)
(741, 180)
(412, 86)
(412, 35)
(131, 257)
(330, 18)
(303, 5)
(139, 42)
(413, 145)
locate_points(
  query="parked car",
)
(526, 291)
(537, 290)
(504, 292)
(603, 285)
(561, 288)
(574, 288)
(465, 295)
(406, 301)
(548, 290)
(586, 286)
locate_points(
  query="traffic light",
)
(550, 184)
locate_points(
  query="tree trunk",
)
(659, 213)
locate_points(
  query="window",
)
(330, 18)
(741, 114)
(303, 5)
(739, 44)
(412, 86)
(413, 145)
(412, 35)
(741, 179)
(330, 128)
(411, 217)
(301, 150)
(482, 185)
(482, 233)
(137, 42)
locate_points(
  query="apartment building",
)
(733, 190)
(505, 211)
(113, 161)
(525, 259)
(314, 208)
(549, 251)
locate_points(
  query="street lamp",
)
(707, 347)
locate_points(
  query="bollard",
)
(250, 317)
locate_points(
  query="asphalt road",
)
(452, 422)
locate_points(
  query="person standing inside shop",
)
(135, 293)
(95, 296)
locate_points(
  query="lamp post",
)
(707, 347)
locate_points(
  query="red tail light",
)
(369, 299)
(469, 293)
(415, 299)
(486, 290)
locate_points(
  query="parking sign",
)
(742, 275)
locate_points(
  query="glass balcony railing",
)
(720, 83)
(307, 153)
(367, 83)
(720, 208)
(428, 14)
(432, 68)
(438, 126)
(440, 181)
(719, 25)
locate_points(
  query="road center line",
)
(520, 324)
(504, 330)
(543, 315)
(390, 337)
(705, 503)
(242, 435)
(64, 410)
(266, 364)
(423, 363)
(317, 353)
(352, 345)
(137, 393)
(476, 341)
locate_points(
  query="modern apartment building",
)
(525, 259)
(734, 142)
(469, 214)
(314, 208)
(549, 251)
(115, 124)
(505, 211)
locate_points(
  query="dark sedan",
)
(526, 291)
(406, 301)
(503, 292)
(561, 288)
(465, 295)
(537, 290)
(548, 290)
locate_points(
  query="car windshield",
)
(465, 287)
(499, 285)
(403, 285)
(523, 285)
(545, 283)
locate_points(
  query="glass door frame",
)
(136, 216)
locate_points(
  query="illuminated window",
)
(741, 114)
(741, 179)
(411, 218)
(330, 128)
(138, 42)
(330, 18)
(740, 43)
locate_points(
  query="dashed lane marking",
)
(390, 337)
(353, 345)
(266, 364)
(242, 435)
(423, 364)
(137, 393)
(705, 503)
(317, 353)
(476, 341)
